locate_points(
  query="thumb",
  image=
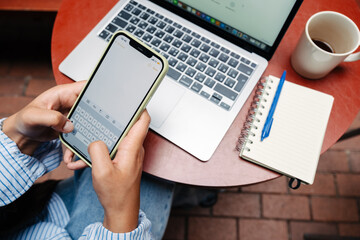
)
(99, 154)
(50, 118)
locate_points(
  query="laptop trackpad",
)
(164, 101)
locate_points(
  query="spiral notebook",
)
(297, 133)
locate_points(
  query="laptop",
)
(217, 51)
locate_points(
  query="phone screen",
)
(116, 90)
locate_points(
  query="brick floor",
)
(331, 206)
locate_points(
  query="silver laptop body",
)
(197, 102)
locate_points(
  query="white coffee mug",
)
(329, 38)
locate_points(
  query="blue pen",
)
(269, 119)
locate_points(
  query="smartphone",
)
(116, 94)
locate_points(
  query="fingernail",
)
(69, 126)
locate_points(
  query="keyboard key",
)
(168, 21)
(223, 68)
(245, 69)
(159, 33)
(225, 91)
(144, 15)
(136, 11)
(177, 25)
(177, 43)
(205, 94)
(147, 37)
(141, 7)
(173, 51)
(213, 52)
(190, 72)
(223, 57)
(196, 87)
(130, 28)
(134, 20)
(168, 38)
(203, 57)
(196, 43)
(232, 73)
(195, 53)
(133, 2)
(172, 62)
(111, 28)
(215, 45)
(200, 66)
(169, 29)
(204, 39)
(216, 98)
(164, 47)
(159, 15)
(234, 55)
(225, 50)
(186, 48)
(224, 105)
(186, 30)
(161, 25)
(253, 65)
(210, 71)
(230, 82)
(150, 11)
(205, 48)
(191, 61)
(173, 74)
(156, 42)
(213, 62)
(187, 38)
(182, 56)
(178, 33)
(194, 34)
(220, 77)
(104, 34)
(186, 81)
(233, 62)
(124, 15)
(181, 67)
(143, 25)
(153, 20)
(200, 77)
(121, 23)
(139, 33)
(151, 29)
(209, 82)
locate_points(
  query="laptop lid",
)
(257, 26)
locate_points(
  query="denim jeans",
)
(84, 207)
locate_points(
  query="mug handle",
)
(353, 57)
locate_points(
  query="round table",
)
(225, 169)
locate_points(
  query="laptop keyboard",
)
(197, 63)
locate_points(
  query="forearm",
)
(19, 171)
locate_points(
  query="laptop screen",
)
(258, 25)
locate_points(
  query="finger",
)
(139, 130)
(79, 164)
(49, 118)
(68, 156)
(99, 155)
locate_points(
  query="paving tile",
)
(278, 185)
(191, 211)
(354, 159)
(333, 161)
(349, 229)
(334, 209)
(204, 228)
(286, 207)
(254, 229)
(12, 104)
(11, 86)
(324, 184)
(35, 69)
(237, 205)
(348, 184)
(37, 86)
(175, 229)
(298, 229)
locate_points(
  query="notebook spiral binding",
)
(255, 109)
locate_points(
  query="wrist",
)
(121, 222)
(25, 144)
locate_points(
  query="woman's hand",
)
(117, 182)
(43, 118)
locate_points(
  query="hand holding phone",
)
(118, 91)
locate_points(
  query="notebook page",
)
(294, 144)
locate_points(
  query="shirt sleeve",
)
(98, 231)
(19, 171)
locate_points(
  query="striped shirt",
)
(18, 173)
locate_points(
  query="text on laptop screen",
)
(258, 22)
